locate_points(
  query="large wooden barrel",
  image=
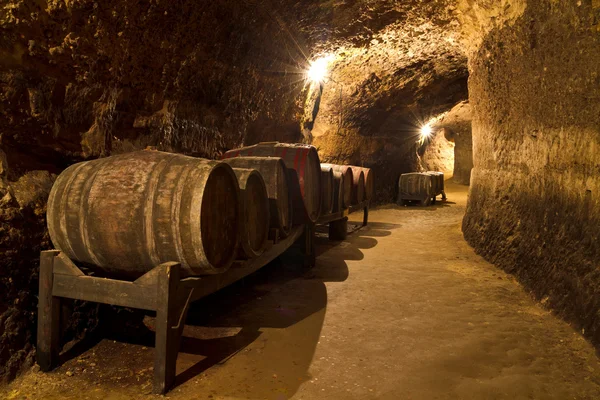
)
(123, 215)
(347, 181)
(275, 177)
(327, 186)
(306, 183)
(254, 203)
(368, 183)
(415, 186)
(358, 187)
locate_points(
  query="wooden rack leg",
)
(48, 314)
(338, 229)
(309, 246)
(366, 216)
(172, 306)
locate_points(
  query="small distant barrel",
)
(274, 174)
(254, 207)
(306, 183)
(327, 187)
(416, 186)
(124, 215)
(358, 187)
(347, 182)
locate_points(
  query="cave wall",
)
(456, 125)
(86, 79)
(534, 205)
(391, 73)
(437, 154)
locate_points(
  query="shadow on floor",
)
(281, 307)
(416, 207)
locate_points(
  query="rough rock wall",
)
(85, 79)
(437, 154)
(389, 75)
(534, 205)
(456, 125)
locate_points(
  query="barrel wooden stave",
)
(327, 190)
(305, 186)
(369, 182)
(125, 214)
(275, 176)
(338, 191)
(348, 181)
(358, 187)
(254, 206)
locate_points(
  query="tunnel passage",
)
(84, 80)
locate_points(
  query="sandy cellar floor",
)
(403, 309)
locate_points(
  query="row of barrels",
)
(344, 186)
(125, 214)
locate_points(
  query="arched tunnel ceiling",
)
(393, 64)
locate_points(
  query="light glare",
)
(318, 70)
(426, 131)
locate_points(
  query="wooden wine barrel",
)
(327, 186)
(415, 186)
(347, 182)
(123, 215)
(305, 185)
(368, 183)
(254, 202)
(358, 187)
(275, 177)
(339, 202)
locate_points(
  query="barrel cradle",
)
(254, 206)
(123, 215)
(274, 174)
(305, 177)
(327, 190)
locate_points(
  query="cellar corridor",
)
(403, 309)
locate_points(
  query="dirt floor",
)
(403, 309)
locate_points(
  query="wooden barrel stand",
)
(162, 289)
(338, 221)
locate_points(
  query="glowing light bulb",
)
(426, 131)
(318, 69)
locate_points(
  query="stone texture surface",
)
(437, 154)
(385, 84)
(456, 125)
(534, 208)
